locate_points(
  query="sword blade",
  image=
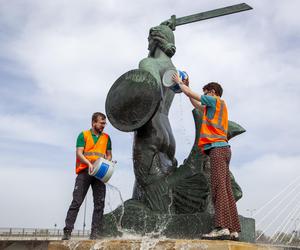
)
(212, 13)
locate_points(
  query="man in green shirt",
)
(91, 144)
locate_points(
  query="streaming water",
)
(182, 122)
(150, 239)
(118, 222)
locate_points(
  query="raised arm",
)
(197, 104)
(194, 97)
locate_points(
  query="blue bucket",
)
(183, 75)
(168, 82)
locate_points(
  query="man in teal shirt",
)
(213, 140)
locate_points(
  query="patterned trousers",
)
(226, 215)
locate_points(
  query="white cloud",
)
(29, 128)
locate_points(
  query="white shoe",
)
(234, 236)
(217, 234)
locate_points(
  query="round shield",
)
(132, 100)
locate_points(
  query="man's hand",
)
(108, 155)
(186, 82)
(176, 79)
(91, 167)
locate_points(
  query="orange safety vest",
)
(215, 129)
(91, 150)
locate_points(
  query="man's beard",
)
(98, 130)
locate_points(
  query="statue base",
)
(168, 244)
(129, 244)
(135, 218)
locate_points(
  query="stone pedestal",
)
(141, 244)
(135, 218)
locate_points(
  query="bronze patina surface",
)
(132, 100)
(167, 197)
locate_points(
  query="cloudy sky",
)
(58, 60)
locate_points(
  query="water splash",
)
(182, 123)
(118, 222)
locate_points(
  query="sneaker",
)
(217, 234)
(234, 236)
(67, 235)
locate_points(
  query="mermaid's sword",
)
(173, 21)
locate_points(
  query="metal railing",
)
(35, 233)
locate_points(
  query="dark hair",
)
(96, 115)
(214, 86)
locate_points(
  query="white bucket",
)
(168, 81)
(103, 169)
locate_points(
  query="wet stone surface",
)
(135, 218)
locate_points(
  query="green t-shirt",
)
(81, 143)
